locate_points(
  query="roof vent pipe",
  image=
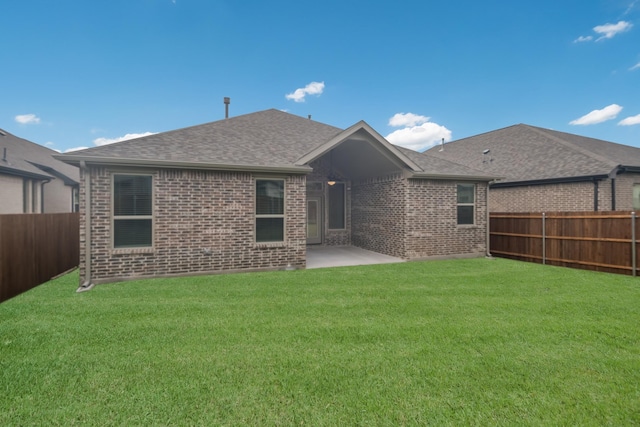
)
(227, 101)
(309, 116)
(4, 154)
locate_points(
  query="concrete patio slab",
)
(340, 256)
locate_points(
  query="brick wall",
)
(624, 191)
(378, 215)
(431, 221)
(547, 198)
(569, 197)
(203, 222)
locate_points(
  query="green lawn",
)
(481, 342)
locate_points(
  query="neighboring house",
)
(32, 181)
(545, 170)
(251, 192)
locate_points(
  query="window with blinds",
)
(269, 210)
(132, 211)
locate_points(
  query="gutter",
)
(86, 285)
(587, 178)
(117, 161)
(419, 175)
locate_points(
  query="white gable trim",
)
(381, 145)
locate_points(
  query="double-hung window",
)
(269, 210)
(466, 204)
(132, 211)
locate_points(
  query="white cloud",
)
(598, 116)
(49, 144)
(27, 119)
(105, 141)
(608, 31)
(407, 119)
(583, 39)
(68, 150)
(630, 121)
(635, 67)
(313, 88)
(418, 133)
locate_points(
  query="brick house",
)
(545, 170)
(32, 180)
(252, 191)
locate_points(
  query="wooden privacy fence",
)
(602, 241)
(34, 248)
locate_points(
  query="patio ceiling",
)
(359, 159)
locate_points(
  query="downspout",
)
(42, 194)
(488, 226)
(595, 194)
(612, 177)
(613, 194)
(86, 285)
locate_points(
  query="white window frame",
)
(473, 204)
(344, 205)
(114, 218)
(257, 216)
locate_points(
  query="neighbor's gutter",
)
(86, 285)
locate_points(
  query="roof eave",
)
(549, 181)
(457, 177)
(24, 174)
(170, 164)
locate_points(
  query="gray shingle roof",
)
(28, 159)
(265, 139)
(438, 166)
(528, 153)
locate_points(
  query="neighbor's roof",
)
(30, 160)
(523, 153)
(263, 141)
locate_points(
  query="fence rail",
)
(602, 241)
(34, 248)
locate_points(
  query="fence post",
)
(544, 238)
(633, 243)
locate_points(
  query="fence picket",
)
(34, 248)
(601, 241)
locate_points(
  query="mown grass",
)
(482, 342)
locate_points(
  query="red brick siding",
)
(203, 222)
(431, 221)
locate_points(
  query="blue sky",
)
(82, 73)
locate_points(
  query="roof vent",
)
(2, 133)
(4, 154)
(227, 101)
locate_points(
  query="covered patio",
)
(342, 256)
